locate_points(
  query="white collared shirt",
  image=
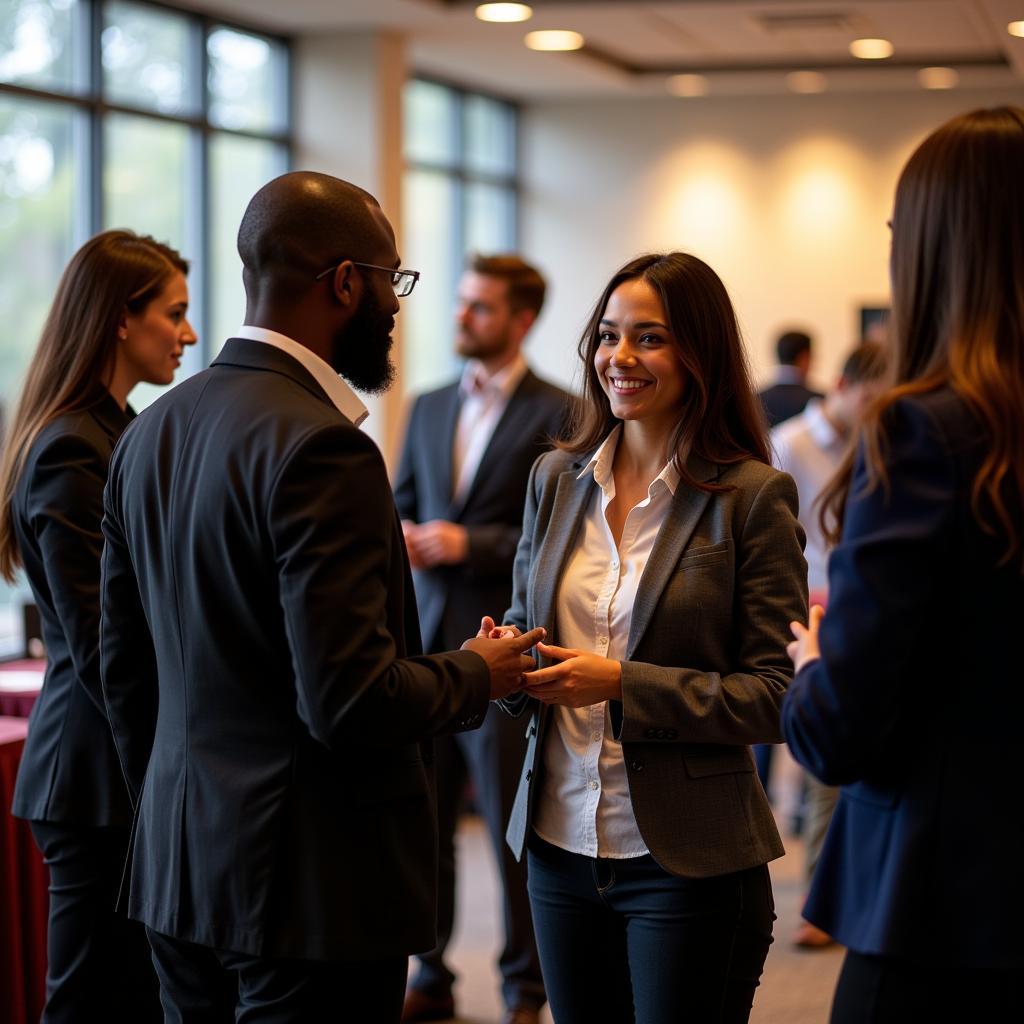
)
(484, 400)
(583, 805)
(809, 449)
(341, 395)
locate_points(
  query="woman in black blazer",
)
(118, 318)
(663, 555)
(912, 698)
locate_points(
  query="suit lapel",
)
(687, 507)
(572, 497)
(445, 439)
(507, 431)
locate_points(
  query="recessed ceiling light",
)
(689, 85)
(554, 39)
(1016, 28)
(871, 49)
(938, 78)
(806, 81)
(504, 12)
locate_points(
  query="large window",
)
(461, 191)
(124, 113)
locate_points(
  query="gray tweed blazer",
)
(705, 668)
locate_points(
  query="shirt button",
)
(615, 565)
(592, 784)
(598, 737)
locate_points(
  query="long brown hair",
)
(720, 418)
(957, 269)
(115, 272)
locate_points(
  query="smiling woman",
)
(663, 555)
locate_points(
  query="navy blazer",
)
(69, 772)
(451, 598)
(261, 670)
(914, 708)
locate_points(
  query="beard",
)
(362, 352)
(472, 346)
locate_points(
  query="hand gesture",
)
(506, 658)
(804, 649)
(489, 629)
(435, 543)
(577, 680)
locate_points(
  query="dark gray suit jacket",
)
(262, 675)
(705, 668)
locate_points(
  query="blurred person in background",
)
(789, 393)
(119, 318)
(460, 492)
(810, 447)
(907, 692)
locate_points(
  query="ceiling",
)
(633, 48)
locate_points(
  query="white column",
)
(348, 122)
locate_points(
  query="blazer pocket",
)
(701, 766)
(711, 554)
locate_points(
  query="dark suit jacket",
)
(69, 771)
(452, 598)
(705, 666)
(915, 708)
(784, 401)
(262, 674)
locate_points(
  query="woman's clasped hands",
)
(577, 679)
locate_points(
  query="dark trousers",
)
(624, 941)
(887, 990)
(493, 757)
(199, 985)
(98, 966)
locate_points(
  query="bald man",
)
(260, 655)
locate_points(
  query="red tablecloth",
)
(20, 682)
(23, 896)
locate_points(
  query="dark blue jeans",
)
(624, 941)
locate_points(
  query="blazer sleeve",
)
(406, 498)
(516, 703)
(842, 712)
(65, 506)
(128, 658)
(334, 535)
(691, 705)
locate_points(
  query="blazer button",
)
(661, 734)
(672, 734)
(637, 766)
(650, 733)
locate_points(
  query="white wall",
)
(786, 197)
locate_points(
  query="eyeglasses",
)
(403, 281)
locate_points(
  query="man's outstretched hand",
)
(506, 658)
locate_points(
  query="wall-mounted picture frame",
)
(873, 323)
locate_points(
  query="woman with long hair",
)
(663, 554)
(908, 692)
(118, 318)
